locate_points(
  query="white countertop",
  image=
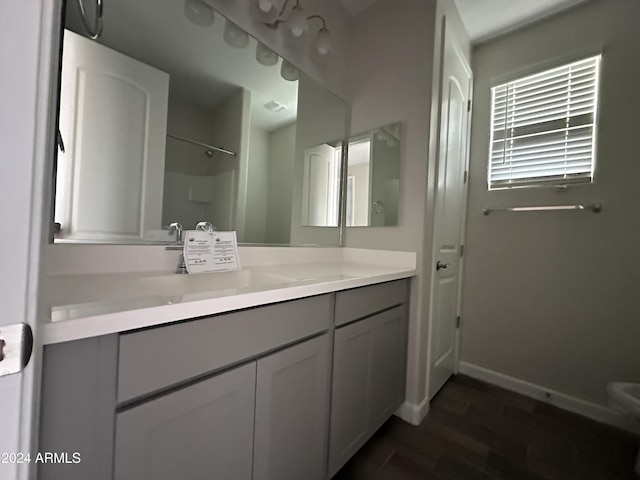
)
(84, 306)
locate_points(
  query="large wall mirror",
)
(175, 114)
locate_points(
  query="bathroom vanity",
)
(288, 389)
(281, 370)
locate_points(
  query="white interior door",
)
(27, 51)
(113, 121)
(450, 213)
(320, 186)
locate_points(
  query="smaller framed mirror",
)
(372, 196)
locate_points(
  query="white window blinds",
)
(543, 127)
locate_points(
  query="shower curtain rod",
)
(204, 145)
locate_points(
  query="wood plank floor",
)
(478, 431)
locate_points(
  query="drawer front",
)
(154, 359)
(361, 302)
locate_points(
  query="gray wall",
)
(257, 184)
(394, 77)
(185, 162)
(322, 118)
(229, 123)
(282, 143)
(552, 298)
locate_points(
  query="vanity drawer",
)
(151, 360)
(364, 301)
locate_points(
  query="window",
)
(543, 127)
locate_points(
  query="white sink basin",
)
(209, 282)
(81, 289)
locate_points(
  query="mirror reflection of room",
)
(321, 185)
(373, 178)
(174, 114)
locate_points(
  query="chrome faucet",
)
(206, 226)
(178, 229)
(182, 266)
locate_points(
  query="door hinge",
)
(466, 176)
(458, 322)
(16, 345)
(469, 105)
(461, 250)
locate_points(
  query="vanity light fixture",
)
(266, 11)
(273, 13)
(322, 42)
(199, 13)
(297, 23)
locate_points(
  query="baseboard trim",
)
(573, 404)
(412, 413)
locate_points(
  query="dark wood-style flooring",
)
(479, 431)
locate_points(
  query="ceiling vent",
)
(275, 107)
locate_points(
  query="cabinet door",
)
(352, 357)
(368, 381)
(201, 432)
(292, 413)
(388, 365)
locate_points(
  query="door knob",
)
(441, 265)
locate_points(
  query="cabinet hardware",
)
(16, 345)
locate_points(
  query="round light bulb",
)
(198, 13)
(265, 11)
(289, 72)
(323, 42)
(265, 5)
(297, 23)
(265, 56)
(234, 36)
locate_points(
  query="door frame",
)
(35, 27)
(463, 229)
(465, 198)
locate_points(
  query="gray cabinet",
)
(388, 365)
(155, 359)
(353, 350)
(292, 413)
(369, 369)
(78, 404)
(240, 396)
(202, 431)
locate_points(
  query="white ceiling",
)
(486, 19)
(203, 69)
